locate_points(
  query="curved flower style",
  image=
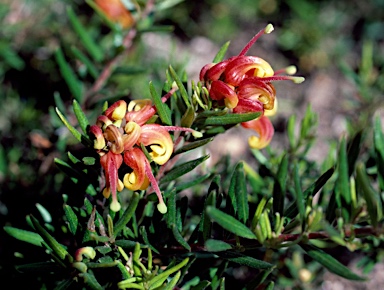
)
(264, 128)
(243, 83)
(137, 179)
(159, 140)
(121, 131)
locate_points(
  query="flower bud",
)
(88, 252)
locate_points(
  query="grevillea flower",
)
(115, 11)
(244, 84)
(118, 136)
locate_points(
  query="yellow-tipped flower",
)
(121, 130)
(244, 84)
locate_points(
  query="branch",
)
(249, 244)
(90, 96)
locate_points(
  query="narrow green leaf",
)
(193, 145)
(39, 267)
(241, 193)
(330, 263)
(259, 210)
(378, 137)
(343, 175)
(180, 85)
(213, 113)
(192, 183)
(44, 213)
(167, 4)
(292, 210)
(158, 280)
(60, 251)
(104, 262)
(91, 282)
(330, 213)
(127, 215)
(129, 70)
(216, 245)
(222, 283)
(71, 218)
(221, 53)
(348, 72)
(229, 223)
(244, 260)
(378, 140)
(81, 118)
(72, 129)
(171, 284)
(10, 56)
(300, 202)
(73, 158)
(162, 109)
(183, 169)
(232, 192)
(231, 119)
(171, 206)
(58, 101)
(125, 243)
(291, 131)
(372, 198)
(259, 279)
(334, 235)
(103, 249)
(25, 236)
(254, 178)
(69, 75)
(179, 238)
(91, 46)
(201, 285)
(188, 117)
(211, 200)
(353, 151)
(279, 187)
(86, 61)
(89, 161)
(67, 169)
(123, 270)
(144, 235)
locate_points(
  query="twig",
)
(250, 244)
(91, 95)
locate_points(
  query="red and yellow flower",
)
(244, 84)
(118, 136)
(115, 11)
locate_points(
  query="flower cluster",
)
(243, 83)
(119, 135)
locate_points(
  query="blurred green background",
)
(336, 45)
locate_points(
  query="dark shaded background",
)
(319, 37)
